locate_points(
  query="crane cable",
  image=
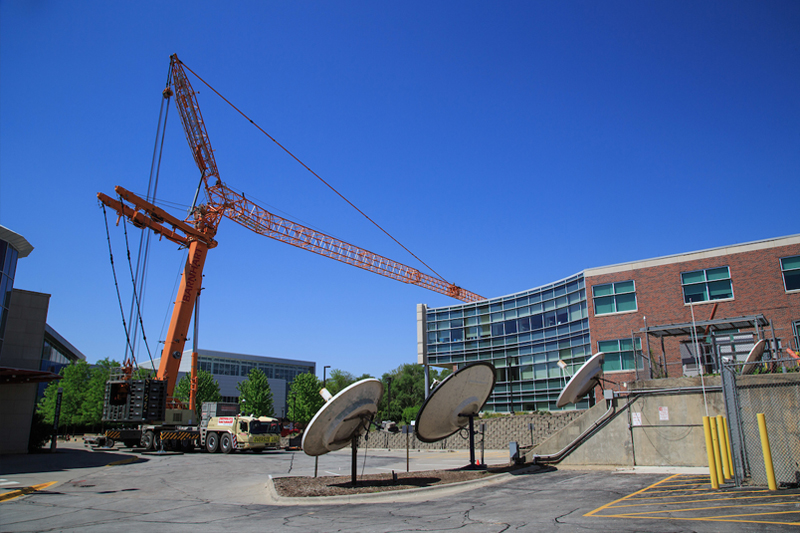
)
(138, 279)
(311, 171)
(116, 284)
(135, 297)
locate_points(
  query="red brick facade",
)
(758, 288)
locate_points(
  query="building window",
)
(708, 284)
(790, 267)
(620, 354)
(616, 297)
(796, 328)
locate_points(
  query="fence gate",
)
(776, 394)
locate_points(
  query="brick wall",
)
(757, 289)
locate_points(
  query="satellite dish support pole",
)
(354, 461)
(472, 441)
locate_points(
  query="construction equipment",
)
(222, 428)
(197, 233)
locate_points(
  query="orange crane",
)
(197, 232)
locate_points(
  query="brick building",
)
(743, 292)
(639, 314)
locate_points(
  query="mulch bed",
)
(340, 485)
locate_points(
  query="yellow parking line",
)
(670, 485)
(710, 494)
(757, 514)
(591, 513)
(124, 461)
(670, 504)
(631, 515)
(695, 501)
(682, 490)
(24, 490)
(714, 519)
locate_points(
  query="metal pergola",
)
(706, 327)
(700, 328)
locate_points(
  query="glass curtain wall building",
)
(534, 339)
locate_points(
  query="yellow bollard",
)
(715, 444)
(728, 444)
(723, 449)
(762, 430)
(712, 469)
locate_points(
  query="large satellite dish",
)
(342, 418)
(454, 404)
(582, 381)
(755, 354)
(448, 407)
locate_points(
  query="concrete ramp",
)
(659, 423)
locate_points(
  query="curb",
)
(392, 496)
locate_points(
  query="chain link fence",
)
(770, 387)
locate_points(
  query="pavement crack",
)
(468, 520)
(557, 519)
(291, 464)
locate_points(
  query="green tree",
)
(92, 408)
(207, 389)
(304, 398)
(340, 379)
(143, 373)
(409, 414)
(255, 396)
(74, 384)
(407, 384)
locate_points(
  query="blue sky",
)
(507, 144)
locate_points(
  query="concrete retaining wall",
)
(649, 430)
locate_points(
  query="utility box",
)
(134, 400)
(514, 453)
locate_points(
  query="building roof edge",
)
(692, 256)
(20, 243)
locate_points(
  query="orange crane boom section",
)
(198, 230)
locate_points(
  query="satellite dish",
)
(755, 354)
(340, 421)
(460, 395)
(582, 381)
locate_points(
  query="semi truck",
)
(147, 423)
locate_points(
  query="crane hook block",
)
(167, 92)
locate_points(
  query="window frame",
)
(783, 273)
(705, 283)
(637, 353)
(614, 295)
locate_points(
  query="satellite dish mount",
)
(453, 405)
(342, 420)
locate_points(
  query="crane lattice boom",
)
(223, 201)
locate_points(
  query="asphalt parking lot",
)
(81, 489)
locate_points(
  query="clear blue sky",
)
(507, 144)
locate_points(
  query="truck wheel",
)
(109, 443)
(226, 443)
(212, 442)
(148, 440)
(187, 445)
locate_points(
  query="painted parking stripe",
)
(124, 461)
(690, 504)
(25, 490)
(6, 482)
